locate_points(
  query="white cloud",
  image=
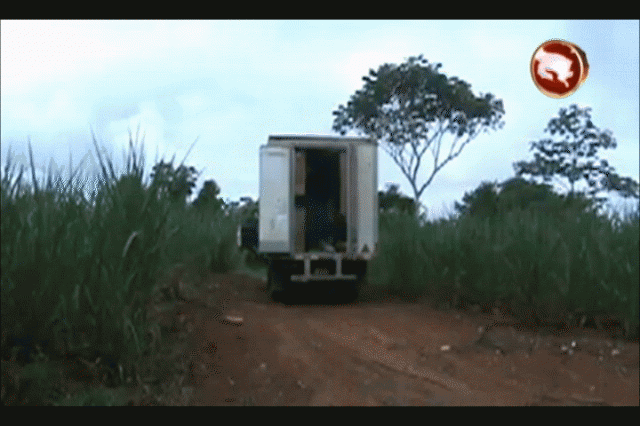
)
(192, 104)
(232, 83)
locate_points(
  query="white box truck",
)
(318, 212)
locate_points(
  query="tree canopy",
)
(174, 183)
(408, 108)
(570, 155)
(495, 199)
(208, 197)
(392, 200)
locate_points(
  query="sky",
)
(228, 85)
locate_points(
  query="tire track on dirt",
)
(386, 373)
(383, 354)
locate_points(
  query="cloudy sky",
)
(231, 84)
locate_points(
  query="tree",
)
(250, 208)
(495, 199)
(392, 200)
(483, 201)
(208, 197)
(517, 193)
(571, 155)
(175, 184)
(409, 107)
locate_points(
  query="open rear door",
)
(366, 196)
(275, 200)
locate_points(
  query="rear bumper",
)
(324, 267)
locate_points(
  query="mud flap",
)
(351, 291)
(274, 284)
(278, 286)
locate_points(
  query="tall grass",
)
(546, 265)
(78, 270)
(204, 241)
(74, 278)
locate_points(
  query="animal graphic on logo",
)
(558, 68)
(554, 67)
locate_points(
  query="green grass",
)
(545, 264)
(78, 269)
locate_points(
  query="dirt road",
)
(244, 349)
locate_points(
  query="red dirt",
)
(244, 349)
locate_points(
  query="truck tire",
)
(278, 286)
(274, 285)
(351, 291)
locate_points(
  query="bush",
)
(549, 262)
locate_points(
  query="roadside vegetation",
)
(546, 257)
(82, 263)
(85, 266)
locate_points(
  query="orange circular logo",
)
(558, 68)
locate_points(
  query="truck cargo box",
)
(318, 194)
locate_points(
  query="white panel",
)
(367, 182)
(275, 200)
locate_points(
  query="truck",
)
(318, 215)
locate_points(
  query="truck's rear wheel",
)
(278, 285)
(355, 287)
(274, 285)
(351, 291)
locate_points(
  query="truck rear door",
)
(366, 197)
(275, 235)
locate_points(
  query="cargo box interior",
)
(320, 200)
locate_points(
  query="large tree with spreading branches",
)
(409, 108)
